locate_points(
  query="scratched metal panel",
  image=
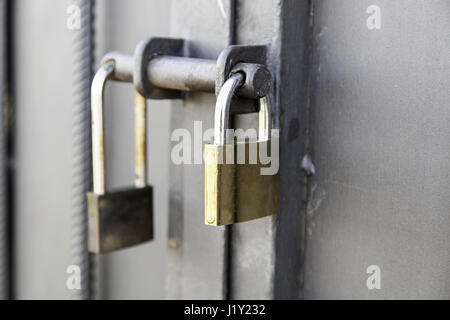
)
(197, 252)
(381, 138)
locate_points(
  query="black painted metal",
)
(294, 138)
(144, 52)
(4, 216)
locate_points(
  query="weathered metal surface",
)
(380, 120)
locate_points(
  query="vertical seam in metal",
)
(227, 286)
(308, 146)
(289, 270)
(307, 143)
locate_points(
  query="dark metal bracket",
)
(159, 70)
(144, 52)
(251, 61)
(246, 59)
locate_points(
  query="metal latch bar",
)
(159, 70)
(188, 74)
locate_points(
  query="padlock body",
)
(220, 186)
(238, 192)
(120, 219)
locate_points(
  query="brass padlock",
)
(118, 219)
(238, 192)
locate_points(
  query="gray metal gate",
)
(359, 92)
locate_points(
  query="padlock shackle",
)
(223, 105)
(264, 119)
(98, 134)
(98, 158)
(140, 140)
(222, 111)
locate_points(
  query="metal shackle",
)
(98, 139)
(222, 111)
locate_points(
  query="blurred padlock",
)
(118, 219)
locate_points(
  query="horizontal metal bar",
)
(123, 66)
(189, 74)
(186, 74)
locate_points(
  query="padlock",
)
(118, 219)
(238, 192)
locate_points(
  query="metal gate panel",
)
(251, 247)
(197, 253)
(381, 139)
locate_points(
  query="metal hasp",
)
(235, 191)
(118, 219)
(159, 71)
